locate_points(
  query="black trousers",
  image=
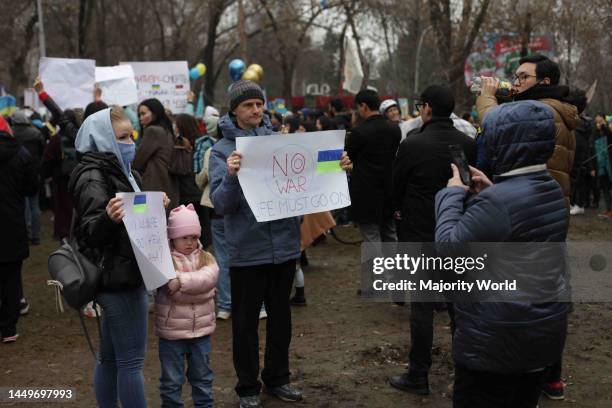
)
(477, 389)
(10, 284)
(421, 334)
(251, 286)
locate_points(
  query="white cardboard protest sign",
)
(167, 81)
(118, 85)
(70, 82)
(145, 221)
(285, 176)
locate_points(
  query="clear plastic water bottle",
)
(504, 88)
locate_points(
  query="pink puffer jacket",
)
(190, 312)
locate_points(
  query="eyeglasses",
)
(522, 77)
(420, 105)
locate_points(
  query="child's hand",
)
(173, 286)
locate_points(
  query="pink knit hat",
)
(183, 221)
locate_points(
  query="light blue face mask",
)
(128, 151)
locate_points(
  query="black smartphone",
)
(461, 162)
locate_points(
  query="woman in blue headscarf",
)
(105, 143)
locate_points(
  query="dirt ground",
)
(342, 352)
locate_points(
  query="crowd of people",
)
(533, 161)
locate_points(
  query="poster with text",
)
(145, 222)
(285, 176)
(70, 82)
(167, 81)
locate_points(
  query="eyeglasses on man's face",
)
(522, 77)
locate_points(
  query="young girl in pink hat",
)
(185, 313)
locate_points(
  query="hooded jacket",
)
(19, 179)
(524, 205)
(100, 174)
(566, 119)
(248, 242)
(190, 312)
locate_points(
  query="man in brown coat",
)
(537, 78)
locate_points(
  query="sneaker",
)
(24, 307)
(10, 339)
(412, 383)
(223, 314)
(576, 210)
(554, 390)
(250, 401)
(263, 314)
(286, 393)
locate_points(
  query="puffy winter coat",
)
(96, 179)
(526, 205)
(19, 179)
(190, 312)
(566, 118)
(248, 242)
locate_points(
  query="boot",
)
(298, 299)
(412, 382)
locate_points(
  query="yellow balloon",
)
(201, 68)
(257, 68)
(250, 75)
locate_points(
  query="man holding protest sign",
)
(261, 256)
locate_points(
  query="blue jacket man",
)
(261, 256)
(501, 349)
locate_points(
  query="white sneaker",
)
(576, 210)
(224, 314)
(263, 314)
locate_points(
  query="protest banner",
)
(70, 82)
(118, 85)
(285, 176)
(145, 221)
(167, 81)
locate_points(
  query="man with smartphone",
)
(421, 169)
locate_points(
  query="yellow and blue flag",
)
(328, 161)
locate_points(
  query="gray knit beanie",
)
(242, 90)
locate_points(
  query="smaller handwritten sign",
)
(285, 176)
(145, 221)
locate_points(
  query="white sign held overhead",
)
(145, 221)
(70, 82)
(167, 81)
(118, 85)
(353, 73)
(284, 176)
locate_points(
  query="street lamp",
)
(417, 60)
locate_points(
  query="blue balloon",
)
(236, 69)
(194, 74)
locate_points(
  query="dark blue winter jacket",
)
(525, 204)
(248, 242)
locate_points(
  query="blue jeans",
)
(224, 297)
(32, 216)
(172, 354)
(122, 349)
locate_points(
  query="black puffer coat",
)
(93, 183)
